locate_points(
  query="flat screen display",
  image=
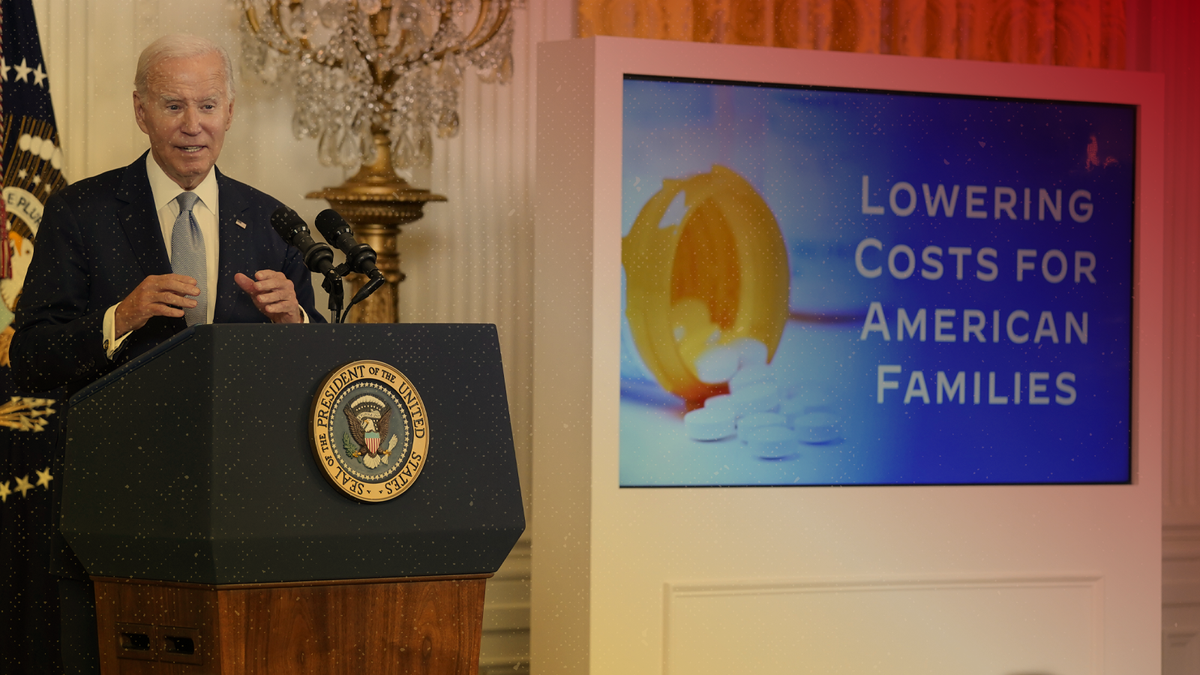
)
(847, 287)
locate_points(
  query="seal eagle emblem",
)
(368, 419)
(369, 432)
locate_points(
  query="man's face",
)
(185, 112)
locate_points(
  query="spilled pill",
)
(751, 375)
(718, 364)
(756, 420)
(750, 352)
(756, 398)
(708, 424)
(720, 402)
(772, 442)
(817, 427)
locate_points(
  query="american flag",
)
(31, 170)
(32, 162)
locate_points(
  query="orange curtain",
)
(1087, 33)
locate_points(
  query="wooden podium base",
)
(361, 627)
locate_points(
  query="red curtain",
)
(1087, 33)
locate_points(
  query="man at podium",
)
(128, 258)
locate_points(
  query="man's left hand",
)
(273, 294)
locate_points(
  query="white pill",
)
(817, 427)
(750, 352)
(756, 420)
(718, 364)
(720, 402)
(791, 408)
(772, 442)
(803, 404)
(751, 375)
(756, 398)
(707, 424)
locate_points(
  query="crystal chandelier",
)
(369, 67)
(373, 78)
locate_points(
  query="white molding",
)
(1181, 568)
(1179, 638)
(1091, 583)
(1181, 543)
(1181, 650)
(763, 587)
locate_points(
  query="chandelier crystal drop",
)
(365, 68)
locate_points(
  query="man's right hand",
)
(159, 295)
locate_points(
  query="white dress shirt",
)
(164, 191)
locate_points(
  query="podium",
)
(193, 496)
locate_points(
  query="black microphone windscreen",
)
(332, 226)
(291, 227)
(287, 223)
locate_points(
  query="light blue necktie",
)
(187, 255)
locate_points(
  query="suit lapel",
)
(139, 220)
(234, 240)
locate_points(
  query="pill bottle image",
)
(719, 275)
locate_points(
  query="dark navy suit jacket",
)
(98, 239)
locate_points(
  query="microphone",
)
(336, 231)
(318, 257)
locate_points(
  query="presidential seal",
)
(368, 431)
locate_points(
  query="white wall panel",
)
(603, 554)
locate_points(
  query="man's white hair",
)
(180, 46)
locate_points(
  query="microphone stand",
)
(359, 257)
(334, 287)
